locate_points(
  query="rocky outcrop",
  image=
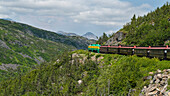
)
(3, 44)
(39, 60)
(81, 58)
(78, 58)
(116, 39)
(25, 55)
(158, 84)
(8, 66)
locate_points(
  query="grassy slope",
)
(115, 74)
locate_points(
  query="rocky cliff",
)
(116, 39)
(158, 84)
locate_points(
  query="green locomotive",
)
(94, 47)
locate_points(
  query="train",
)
(162, 53)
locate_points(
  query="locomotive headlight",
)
(165, 51)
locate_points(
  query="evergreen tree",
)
(152, 29)
(102, 39)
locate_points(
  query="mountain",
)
(67, 34)
(76, 41)
(23, 46)
(90, 35)
(152, 29)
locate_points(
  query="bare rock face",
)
(25, 55)
(8, 66)
(93, 58)
(116, 39)
(158, 85)
(100, 58)
(39, 60)
(3, 44)
(75, 55)
(78, 58)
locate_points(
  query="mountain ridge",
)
(90, 35)
(67, 34)
(76, 41)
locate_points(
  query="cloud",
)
(116, 15)
(61, 14)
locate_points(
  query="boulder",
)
(162, 82)
(151, 81)
(168, 70)
(152, 93)
(159, 75)
(157, 81)
(80, 82)
(149, 77)
(165, 70)
(159, 71)
(164, 76)
(151, 73)
(152, 89)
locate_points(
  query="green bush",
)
(116, 74)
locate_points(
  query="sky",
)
(77, 16)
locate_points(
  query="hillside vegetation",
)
(24, 46)
(76, 41)
(36, 62)
(21, 49)
(84, 74)
(152, 29)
